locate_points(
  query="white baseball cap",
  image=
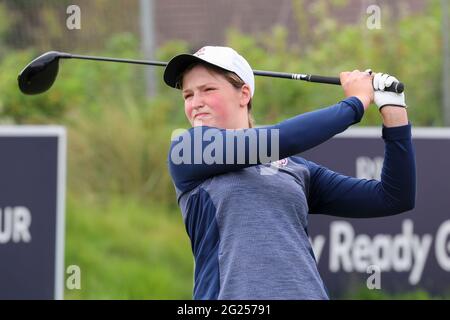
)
(222, 57)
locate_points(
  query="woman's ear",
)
(245, 95)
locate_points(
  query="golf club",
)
(40, 74)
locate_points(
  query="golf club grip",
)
(397, 87)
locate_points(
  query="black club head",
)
(38, 76)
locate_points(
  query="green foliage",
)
(401, 47)
(121, 150)
(5, 24)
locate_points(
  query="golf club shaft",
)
(144, 62)
(395, 87)
(298, 76)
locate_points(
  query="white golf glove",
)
(383, 98)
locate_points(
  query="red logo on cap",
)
(200, 52)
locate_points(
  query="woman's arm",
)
(338, 195)
(192, 157)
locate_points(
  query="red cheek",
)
(217, 106)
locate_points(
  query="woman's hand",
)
(392, 105)
(358, 84)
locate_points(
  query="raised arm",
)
(339, 195)
(203, 152)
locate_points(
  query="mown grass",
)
(127, 250)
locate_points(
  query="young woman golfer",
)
(247, 222)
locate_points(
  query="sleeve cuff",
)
(357, 106)
(397, 133)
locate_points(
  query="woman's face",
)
(210, 100)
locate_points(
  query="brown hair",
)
(231, 77)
